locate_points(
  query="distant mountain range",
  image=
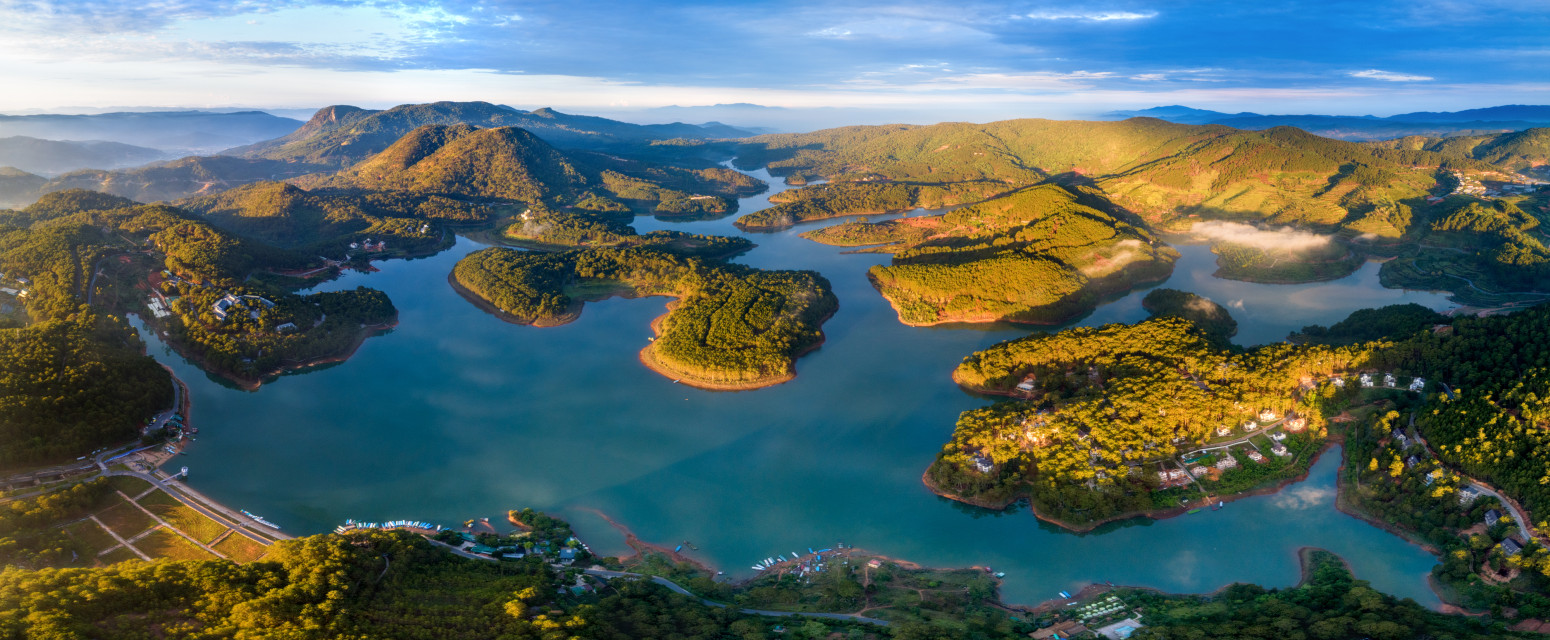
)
(177, 133)
(343, 134)
(51, 157)
(1422, 123)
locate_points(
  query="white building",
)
(1366, 380)
(1417, 384)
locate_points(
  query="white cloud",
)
(1095, 16)
(1286, 239)
(1389, 76)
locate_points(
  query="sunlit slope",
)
(1167, 172)
(1513, 151)
(342, 134)
(1041, 255)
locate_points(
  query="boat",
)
(795, 555)
(757, 568)
(1065, 595)
(1195, 510)
(1001, 574)
(678, 548)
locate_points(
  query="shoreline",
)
(649, 359)
(250, 384)
(646, 358)
(1153, 514)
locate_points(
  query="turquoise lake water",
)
(455, 414)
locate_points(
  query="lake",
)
(456, 414)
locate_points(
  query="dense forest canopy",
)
(731, 326)
(1041, 255)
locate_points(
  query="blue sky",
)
(916, 60)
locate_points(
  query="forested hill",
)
(341, 135)
(1165, 171)
(509, 164)
(1513, 151)
(506, 162)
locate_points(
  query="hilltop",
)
(341, 135)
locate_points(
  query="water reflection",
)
(457, 414)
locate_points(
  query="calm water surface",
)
(456, 414)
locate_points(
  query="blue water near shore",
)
(455, 414)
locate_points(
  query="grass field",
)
(91, 536)
(125, 519)
(130, 485)
(117, 555)
(163, 543)
(241, 549)
(179, 515)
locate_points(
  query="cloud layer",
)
(1013, 57)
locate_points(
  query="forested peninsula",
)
(731, 327)
(1040, 255)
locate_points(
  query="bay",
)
(455, 414)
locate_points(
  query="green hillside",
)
(1039, 255)
(732, 327)
(180, 178)
(1512, 151)
(326, 220)
(1169, 173)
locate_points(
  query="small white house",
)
(1417, 384)
(1250, 425)
(1338, 381)
(1366, 380)
(1224, 430)
(1278, 436)
(1295, 424)
(1389, 380)
(1267, 415)
(1227, 462)
(1280, 450)
(1468, 495)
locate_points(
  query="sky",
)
(911, 61)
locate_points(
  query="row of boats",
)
(261, 520)
(795, 556)
(350, 525)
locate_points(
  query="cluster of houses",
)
(379, 245)
(229, 302)
(19, 293)
(1417, 383)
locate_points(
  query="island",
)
(731, 328)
